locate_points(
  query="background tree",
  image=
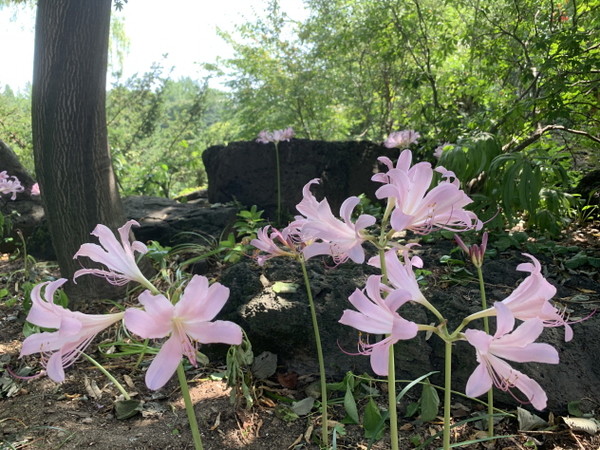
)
(72, 159)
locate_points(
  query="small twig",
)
(574, 436)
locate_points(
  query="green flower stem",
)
(478, 315)
(392, 400)
(189, 407)
(323, 380)
(486, 328)
(433, 309)
(108, 375)
(392, 404)
(447, 391)
(278, 169)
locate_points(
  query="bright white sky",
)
(185, 29)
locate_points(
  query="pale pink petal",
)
(505, 321)
(479, 339)
(152, 322)
(164, 364)
(41, 343)
(366, 324)
(367, 307)
(201, 302)
(54, 367)
(356, 253)
(403, 329)
(534, 352)
(397, 298)
(315, 249)
(44, 312)
(217, 332)
(479, 382)
(532, 390)
(513, 378)
(380, 354)
(347, 207)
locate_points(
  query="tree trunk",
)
(72, 158)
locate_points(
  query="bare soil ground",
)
(40, 414)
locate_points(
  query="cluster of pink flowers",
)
(401, 139)
(10, 185)
(186, 323)
(276, 136)
(421, 208)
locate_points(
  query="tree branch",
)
(538, 134)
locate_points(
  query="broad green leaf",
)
(350, 406)
(430, 402)
(373, 421)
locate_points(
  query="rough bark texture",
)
(69, 130)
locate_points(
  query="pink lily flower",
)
(518, 346)
(377, 315)
(401, 275)
(401, 139)
(339, 239)
(119, 258)
(416, 207)
(276, 243)
(264, 137)
(75, 330)
(10, 185)
(531, 299)
(187, 321)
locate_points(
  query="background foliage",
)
(513, 86)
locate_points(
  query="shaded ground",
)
(79, 414)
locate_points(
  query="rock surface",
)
(245, 172)
(161, 219)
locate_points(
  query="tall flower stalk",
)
(320, 358)
(264, 137)
(476, 254)
(287, 242)
(189, 407)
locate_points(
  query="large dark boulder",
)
(161, 219)
(169, 222)
(245, 171)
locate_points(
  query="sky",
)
(186, 30)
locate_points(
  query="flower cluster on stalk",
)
(415, 205)
(276, 136)
(186, 322)
(10, 185)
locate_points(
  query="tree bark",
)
(72, 158)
